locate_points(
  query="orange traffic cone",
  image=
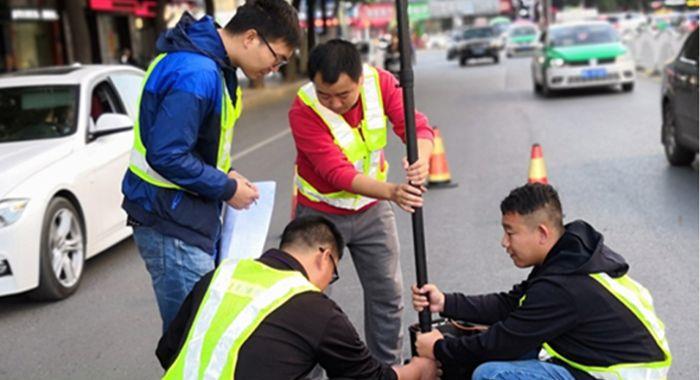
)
(538, 171)
(439, 174)
(293, 213)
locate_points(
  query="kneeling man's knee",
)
(487, 371)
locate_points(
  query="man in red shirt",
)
(339, 124)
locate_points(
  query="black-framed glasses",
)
(336, 276)
(279, 60)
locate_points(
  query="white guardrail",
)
(652, 49)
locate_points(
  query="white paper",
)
(244, 232)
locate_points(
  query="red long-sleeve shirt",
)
(322, 163)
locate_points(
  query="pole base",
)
(449, 330)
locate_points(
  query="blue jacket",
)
(180, 123)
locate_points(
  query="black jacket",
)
(308, 329)
(564, 307)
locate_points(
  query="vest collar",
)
(282, 260)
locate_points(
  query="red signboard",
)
(375, 15)
(140, 8)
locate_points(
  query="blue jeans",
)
(174, 266)
(521, 370)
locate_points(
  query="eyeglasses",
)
(279, 60)
(336, 276)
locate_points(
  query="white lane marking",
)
(259, 145)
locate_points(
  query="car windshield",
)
(33, 113)
(522, 31)
(582, 35)
(478, 33)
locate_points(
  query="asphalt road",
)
(602, 152)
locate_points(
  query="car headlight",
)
(11, 210)
(624, 58)
(556, 62)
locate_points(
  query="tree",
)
(160, 16)
(74, 11)
(209, 7)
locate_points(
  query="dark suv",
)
(479, 43)
(679, 102)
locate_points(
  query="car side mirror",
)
(109, 123)
(689, 61)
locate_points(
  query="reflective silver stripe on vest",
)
(374, 114)
(628, 295)
(622, 372)
(344, 203)
(641, 302)
(632, 373)
(604, 375)
(374, 163)
(139, 160)
(217, 291)
(339, 127)
(243, 321)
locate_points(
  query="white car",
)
(65, 139)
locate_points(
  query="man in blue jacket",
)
(180, 171)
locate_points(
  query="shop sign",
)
(34, 14)
(418, 11)
(375, 15)
(140, 8)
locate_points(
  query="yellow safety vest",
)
(241, 295)
(364, 153)
(638, 300)
(229, 114)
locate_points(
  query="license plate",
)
(599, 72)
(478, 50)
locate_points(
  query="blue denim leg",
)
(174, 266)
(521, 370)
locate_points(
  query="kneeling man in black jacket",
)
(578, 307)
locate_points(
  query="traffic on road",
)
(109, 262)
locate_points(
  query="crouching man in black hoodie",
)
(578, 307)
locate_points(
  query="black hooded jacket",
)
(563, 306)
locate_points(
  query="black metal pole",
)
(406, 81)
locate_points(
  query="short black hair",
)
(312, 232)
(333, 58)
(274, 19)
(533, 197)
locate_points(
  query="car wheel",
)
(546, 91)
(463, 61)
(496, 58)
(675, 154)
(536, 87)
(62, 255)
(628, 87)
